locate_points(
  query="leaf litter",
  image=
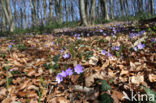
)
(94, 65)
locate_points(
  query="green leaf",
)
(105, 86)
(46, 66)
(56, 58)
(105, 98)
(7, 67)
(117, 54)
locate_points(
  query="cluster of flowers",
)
(139, 46)
(101, 31)
(132, 35)
(78, 69)
(78, 36)
(104, 52)
(115, 48)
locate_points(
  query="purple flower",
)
(113, 48)
(52, 43)
(114, 30)
(135, 48)
(103, 52)
(88, 34)
(66, 55)
(141, 46)
(61, 50)
(59, 78)
(109, 54)
(101, 30)
(63, 74)
(52, 48)
(152, 40)
(117, 48)
(104, 34)
(10, 46)
(78, 69)
(78, 38)
(69, 71)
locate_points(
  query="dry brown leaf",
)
(22, 94)
(123, 72)
(117, 96)
(3, 91)
(106, 64)
(32, 94)
(93, 60)
(33, 87)
(74, 78)
(59, 100)
(110, 73)
(138, 79)
(24, 85)
(89, 80)
(7, 100)
(31, 72)
(152, 77)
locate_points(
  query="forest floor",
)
(113, 64)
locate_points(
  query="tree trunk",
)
(93, 5)
(51, 10)
(121, 5)
(8, 13)
(82, 13)
(106, 10)
(151, 6)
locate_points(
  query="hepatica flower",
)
(59, 78)
(104, 34)
(66, 55)
(115, 48)
(135, 48)
(10, 46)
(141, 46)
(69, 71)
(103, 52)
(63, 73)
(61, 50)
(101, 30)
(114, 30)
(78, 69)
(109, 55)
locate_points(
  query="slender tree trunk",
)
(25, 16)
(82, 12)
(106, 10)
(93, 5)
(51, 10)
(121, 5)
(87, 9)
(60, 13)
(45, 11)
(151, 6)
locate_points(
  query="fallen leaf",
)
(137, 79)
(152, 77)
